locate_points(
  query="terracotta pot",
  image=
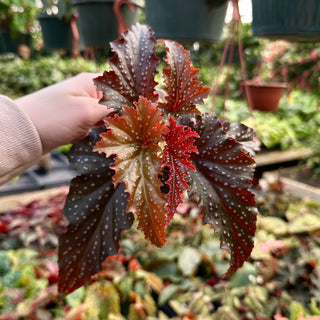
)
(265, 96)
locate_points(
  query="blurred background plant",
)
(298, 63)
(18, 16)
(63, 9)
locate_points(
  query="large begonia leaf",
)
(183, 89)
(132, 69)
(96, 213)
(179, 145)
(134, 139)
(222, 181)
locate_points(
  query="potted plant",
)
(17, 19)
(98, 22)
(265, 90)
(296, 20)
(187, 20)
(59, 26)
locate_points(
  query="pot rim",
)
(256, 84)
(79, 2)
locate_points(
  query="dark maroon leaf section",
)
(96, 213)
(132, 69)
(242, 134)
(222, 182)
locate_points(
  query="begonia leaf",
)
(96, 213)
(222, 179)
(179, 145)
(183, 89)
(132, 69)
(243, 134)
(134, 139)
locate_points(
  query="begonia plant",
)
(154, 147)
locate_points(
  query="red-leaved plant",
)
(153, 147)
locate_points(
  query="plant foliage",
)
(151, 150)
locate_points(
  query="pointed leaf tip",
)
(133, 69)
(183, 89)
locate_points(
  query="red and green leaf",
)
(183, 89)
(222, 181)
(179, 145)
(133, 69)
(96, 213)
(134, 139)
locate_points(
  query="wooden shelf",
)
(278, 157)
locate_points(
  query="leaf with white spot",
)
(96, 213)
(183, 89)
(222, 181)
(242, 134)
(133, 69)
(179, 145)
(133, 139)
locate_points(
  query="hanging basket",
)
(98, 24)
(293, 20)
(187, 20)
(265, 96)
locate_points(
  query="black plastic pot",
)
(11, 44)
(57, 34)
(98, 24)
(296, 20)
(186, 20)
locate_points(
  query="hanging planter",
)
(296, 20)
(59, 26)
(10, 44)
(187, 20)
(56, 33)
(264, 96)
(98, 23)
(17, 23)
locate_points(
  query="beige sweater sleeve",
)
(20, 144)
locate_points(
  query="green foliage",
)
(294, 125)
(18, 16)
(20, 77)
(5, 263)
(62, 8)
(208, 58)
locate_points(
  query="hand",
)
(64, 112)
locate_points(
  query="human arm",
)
(39, 122)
